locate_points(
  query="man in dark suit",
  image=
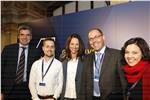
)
(100, 80)
(13, 88)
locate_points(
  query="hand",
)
(2, 96)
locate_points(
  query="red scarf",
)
(141, 69)
(146, 83)
(135, 72)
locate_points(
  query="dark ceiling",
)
(52, 5)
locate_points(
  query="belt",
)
(45, 97)
(69, 98)
(96, 98)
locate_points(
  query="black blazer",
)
(9, 65)
(123, 80)
(77, 78)
(109, 79)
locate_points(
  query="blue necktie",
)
(97, 74)
(97, 65)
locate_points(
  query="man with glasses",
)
(16, 61)
(100, 80)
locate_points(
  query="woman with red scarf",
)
(135, 72)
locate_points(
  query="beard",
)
(49, 55)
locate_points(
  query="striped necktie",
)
(21, 65)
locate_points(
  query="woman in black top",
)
(136, 69)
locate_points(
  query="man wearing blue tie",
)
(100, 78)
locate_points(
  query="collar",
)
(74, 60)
(50, 59)
(102, 50)
(20, 45)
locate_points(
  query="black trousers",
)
(19, 92)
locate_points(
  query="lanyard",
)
(101, 61)
(43, 75)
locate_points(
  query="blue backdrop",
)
(118, 22)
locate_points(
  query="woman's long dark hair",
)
(81, 46)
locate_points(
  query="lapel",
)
(91, 62)
(16, 51)
(89, 65)
(15, 56)
(122, 78)
(79, 69)
(105, 61)
(78, 72)
(65, 69)
(29, 57)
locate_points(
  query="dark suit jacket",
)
(9, 65)
(77, 78)
(109, 80)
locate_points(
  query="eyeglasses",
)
(95, 38)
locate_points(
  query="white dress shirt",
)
(53, 79)
(71, 75)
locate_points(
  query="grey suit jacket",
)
(109, 78)
(77, 78)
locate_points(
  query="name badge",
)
(96, 77)
(42, 84)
